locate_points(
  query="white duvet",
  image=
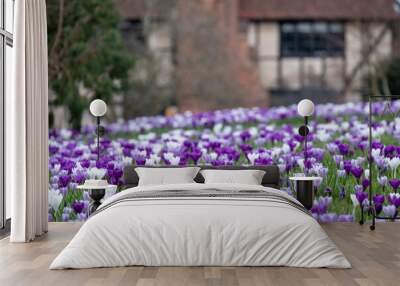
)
(200, 231)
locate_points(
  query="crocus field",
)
(338, 152)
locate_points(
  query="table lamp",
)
(305, 108)
(98, 109)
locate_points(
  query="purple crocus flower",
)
(365, 183)
(263, 161)
(344, 149)
(308, 164)
(78, 206)
(389, 151)
(317, 183)
(321, 205)
(395, 184)
(377, 145)
(327, 218)
(63, 191)
(342, 192)
(79, 179)
(380, 162)
(394, 199)
(63, 181)
(65, 217)
(341, 173)
(379, 199)
(378, 202)
(347, 166)
(328, 191)
(362, 145)
(140, 161)
(361, 197)
(338, 159)
(53, 149)
(358, 188)
(195, 155)
(245, 135)
(357, 171)
(345, 218)
(246, 148)
(332, 148)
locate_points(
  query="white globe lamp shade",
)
(305, 108)
(98, 108)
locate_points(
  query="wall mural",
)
(338, 146)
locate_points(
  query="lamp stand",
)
(100, 130)
(305, 146)
(98, 138)
(303, 131)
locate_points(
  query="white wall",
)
(160, 44)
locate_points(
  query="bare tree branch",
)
(364, 59)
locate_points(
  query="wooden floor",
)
(375, 257)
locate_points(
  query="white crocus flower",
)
(378, 132)
(217, 128)
(156, 148)
(65, 133)
(56, 169)
(276, 152)
(285, 148)
(96, 173)
(153, 160)
(126, 161)
(252, 157)
(110, 191)
(253, 131)
(345, 125)
(376, 152)
(147, 136)
(174, 160)
(300, 162)
(227, 130)
(394, 163)
(171, 145)
(213, 156)
(55, 199)
(323, 136)
(354, 200)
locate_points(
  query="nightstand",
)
(304, 190)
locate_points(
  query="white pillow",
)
(248, 177)
(166, 176)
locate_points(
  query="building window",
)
(133, 30)
(312, 39)
(396, 6)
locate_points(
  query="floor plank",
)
(375, 257)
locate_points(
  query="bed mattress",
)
(201, 225)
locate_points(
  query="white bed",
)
(247, 225)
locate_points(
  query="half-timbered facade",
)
(304, 48)
(318, 49)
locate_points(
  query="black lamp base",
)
(305, 193)
(96, 196)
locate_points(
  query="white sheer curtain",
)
(27, 124)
